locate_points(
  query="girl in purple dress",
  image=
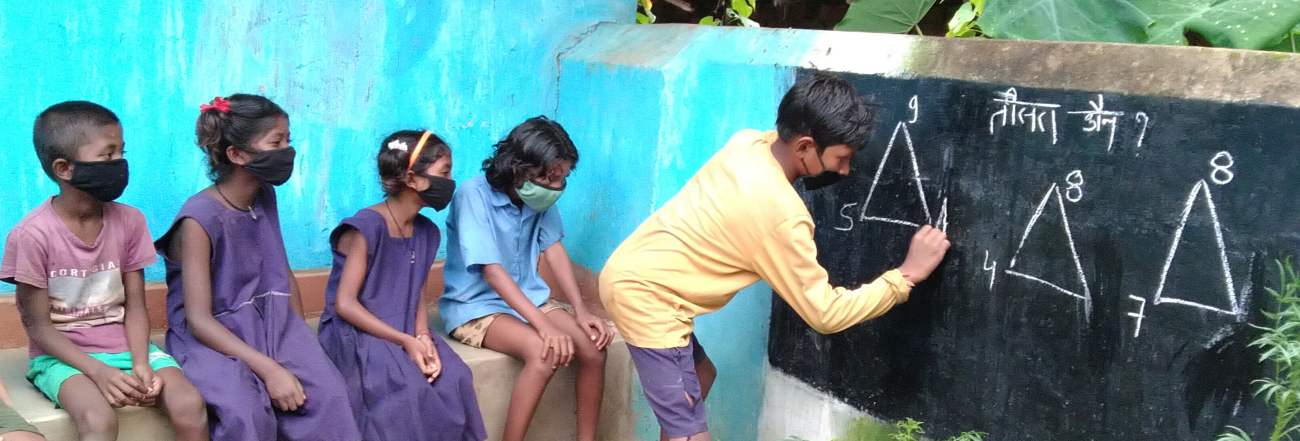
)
(405, 383)
(235, 315)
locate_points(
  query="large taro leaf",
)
(1290, 42)
(1116, 21)
(1242, 24)
(887, 16)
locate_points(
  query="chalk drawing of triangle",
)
(1199, 190)
(1053, 195)
(915, 178)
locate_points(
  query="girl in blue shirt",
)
(497, 227)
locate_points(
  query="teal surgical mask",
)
(539, 197)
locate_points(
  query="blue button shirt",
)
(483, 228)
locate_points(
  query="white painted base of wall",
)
(793, 408)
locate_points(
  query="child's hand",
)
(117, 387)
(927, 250)
(150, 383)
(155, 390)
(419, 353)
(284, 388)
(557, 347)
(431, 358)
(596, 329)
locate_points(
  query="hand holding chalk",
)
(928, 248)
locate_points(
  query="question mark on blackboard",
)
(1144, 119)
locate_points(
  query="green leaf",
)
(743, 20)
(1241, 435)
(643, 14)
(961, 21)
(743, 7)
(887, 16)
(1290, 42)
(968, 436)
(1116, 21)
(710, 21)
(1241, 24)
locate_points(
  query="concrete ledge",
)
(556, 416)
(1141, 69)
(793, 408)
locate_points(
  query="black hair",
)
(393, 162)
(538, 142)
(63, 127)
(828, 109)
(250, 117)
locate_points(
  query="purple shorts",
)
(667, 378)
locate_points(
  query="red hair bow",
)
(221, 104)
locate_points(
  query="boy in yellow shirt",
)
(739, 220)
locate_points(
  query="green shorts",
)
(11, 421)
(48, 373)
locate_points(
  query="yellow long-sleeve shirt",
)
(736, 221)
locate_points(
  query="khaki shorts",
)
(472, 332)
(11, 421)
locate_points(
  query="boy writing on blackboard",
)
(736, 221)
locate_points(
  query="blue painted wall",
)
(348, 73)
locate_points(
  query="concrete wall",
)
(348, 73)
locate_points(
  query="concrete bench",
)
(134, 423)
(494, 375)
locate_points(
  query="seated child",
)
(405, 383)
(233, 306)
(498, 226)
(78, 260)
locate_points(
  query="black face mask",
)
(438, 195)
(103, 180)
(826, 177)
(272, 166)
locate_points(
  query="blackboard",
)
(1064, 309)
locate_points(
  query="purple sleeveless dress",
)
(250, 296)
(390, 396)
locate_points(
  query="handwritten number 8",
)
(1074, 186)
(1221, 162)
